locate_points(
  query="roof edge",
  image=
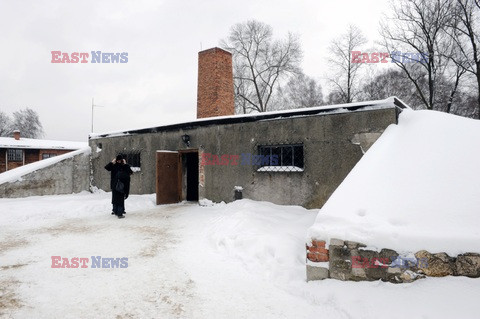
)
(244, 118)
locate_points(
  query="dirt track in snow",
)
(144, 237)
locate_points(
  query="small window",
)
(133, 159)
(281, 158)
(15, 155)
(48, 155)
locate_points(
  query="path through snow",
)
(241, 260)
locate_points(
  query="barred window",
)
(48, 155)
(280, 158)
(132, 158)
(15, 155)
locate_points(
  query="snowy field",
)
(240, 260)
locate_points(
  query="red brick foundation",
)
(317, 251)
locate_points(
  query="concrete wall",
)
(30, 156)
(333, 144)
(71, 175)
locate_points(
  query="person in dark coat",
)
(120, 173)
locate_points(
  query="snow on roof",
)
(417, 187)
(326, 109)
(17, 173)
(22, 143)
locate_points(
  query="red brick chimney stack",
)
(215, 83)
(16, 134)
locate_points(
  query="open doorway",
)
(177, 176)
(189, 160)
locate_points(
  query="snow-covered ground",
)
(417, 187)
(240, 260)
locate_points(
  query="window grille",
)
(132, 158)
(280, 158)
(48, 155)
(14, 155)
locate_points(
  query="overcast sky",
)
(158, 85)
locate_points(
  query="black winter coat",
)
(120, 172)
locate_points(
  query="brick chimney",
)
(215, 83)
(16, 134)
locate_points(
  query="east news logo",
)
(83, 262)
(83, 57)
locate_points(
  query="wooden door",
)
(168, 177)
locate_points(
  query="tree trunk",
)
(478, 89)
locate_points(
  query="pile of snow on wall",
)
(418, 187)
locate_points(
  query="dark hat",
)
(119, 157)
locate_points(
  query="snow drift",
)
(418, 187)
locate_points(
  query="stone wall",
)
(347, 260)
(71, 175)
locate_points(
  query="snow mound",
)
(17, 173)
(418, 187)
(266, 238)
(205, 202)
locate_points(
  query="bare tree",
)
(345, 72)
(391, 82)
(260, 63)
(465, 104)
(302, 91)
(28, 122)
(243, 92)
(452, 86)
(5, 124)
(334, 97)
(416, 39)
(464, 30)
